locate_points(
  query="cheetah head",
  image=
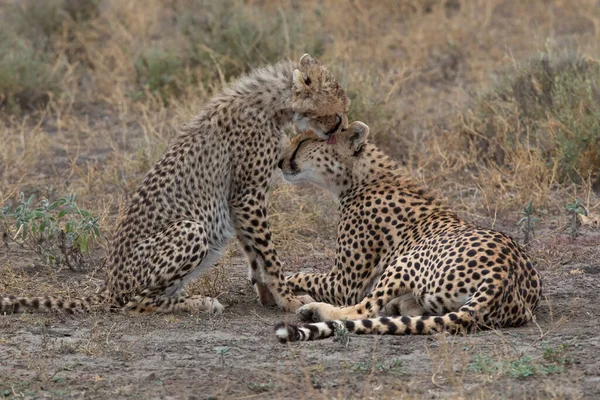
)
(319, 103)
(325, 163)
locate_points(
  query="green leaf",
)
(82, 243)
(62, 213)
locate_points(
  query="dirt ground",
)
(235, 355)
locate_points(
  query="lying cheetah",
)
(210, 186)
(399, 247)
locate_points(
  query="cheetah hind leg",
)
(405, 305)
(165, 292)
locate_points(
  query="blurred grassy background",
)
(492, 103)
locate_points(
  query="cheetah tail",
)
(13, 304)
(454, 322)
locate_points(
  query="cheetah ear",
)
(358, 133)
(307, 60)
(301, 81)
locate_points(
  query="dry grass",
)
(492, 103)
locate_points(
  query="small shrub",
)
(227, 38)
(28, 77)
(575, 209)
(159, 72)
(60, 233)
(548, 108)
(341, 334)
(221, 352)
(528, 221)
(31, 68)
(39, 20)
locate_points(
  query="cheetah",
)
(209, 187)
(401, 252)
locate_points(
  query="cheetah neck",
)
(265, 94)
(372, 166)
(376, 173)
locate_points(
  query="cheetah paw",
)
(216, 308)
(316, 312)
(298, 301)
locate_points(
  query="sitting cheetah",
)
(398, 246)
(210, 186)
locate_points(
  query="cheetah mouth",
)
(336, 127)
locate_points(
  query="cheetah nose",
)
(280, 164)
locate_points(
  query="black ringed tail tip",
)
(287, 333)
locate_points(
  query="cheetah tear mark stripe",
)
(454, 322)
(13, 304)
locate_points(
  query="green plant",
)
(341, 334)
(556, 355)
(484, 364)
(528, 221)
(575, 209)
(60, 233)
(551, 362)
(526, 366)
(521, 368)
(221, 352)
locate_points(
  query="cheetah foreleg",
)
(265, 267)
